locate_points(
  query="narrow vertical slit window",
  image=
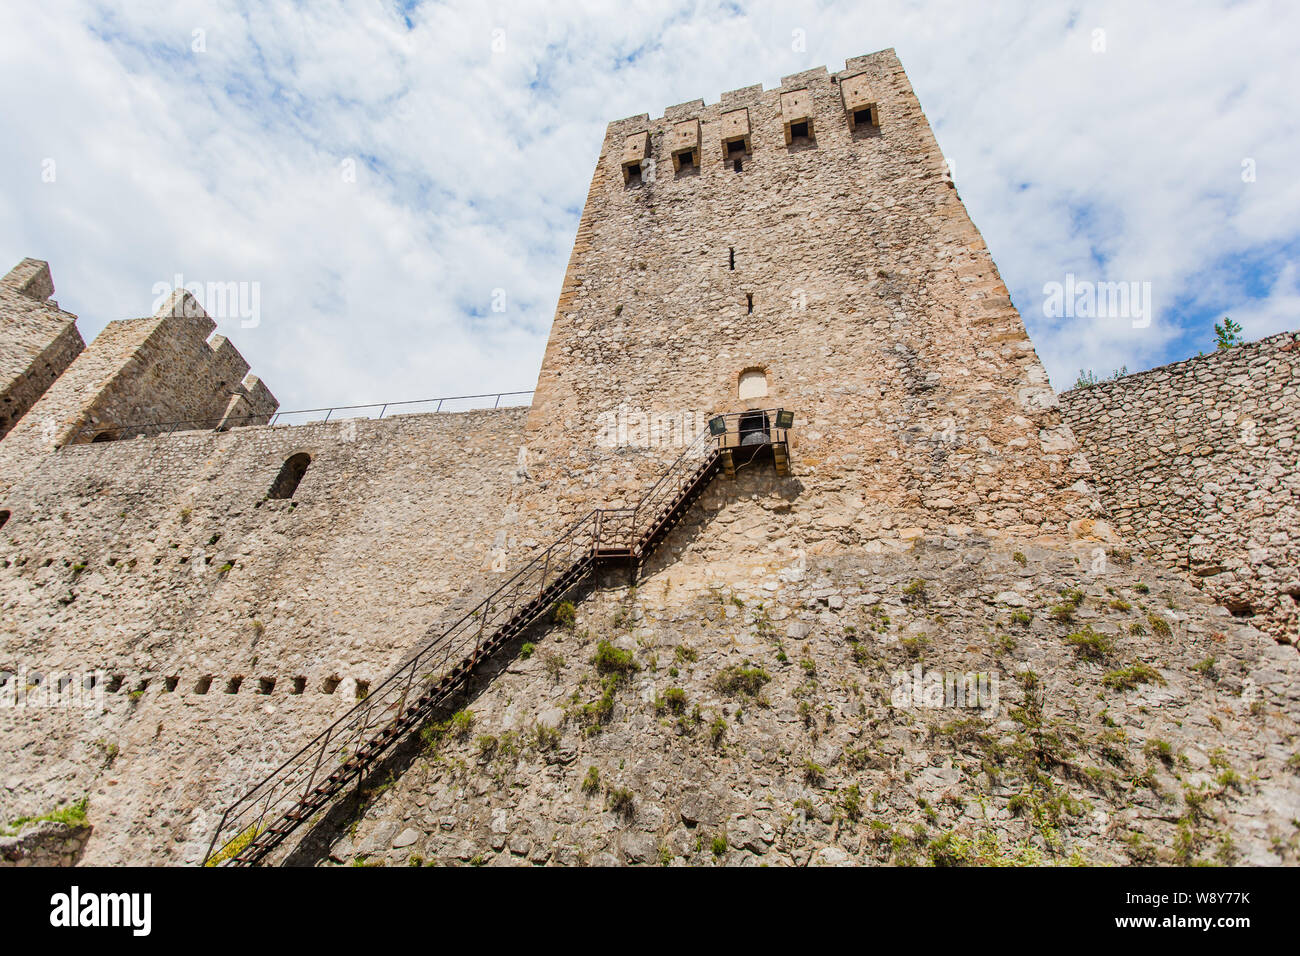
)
(749, 302)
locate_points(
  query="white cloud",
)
(473, 163)
(1279, 311)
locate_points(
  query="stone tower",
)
(38, 340)
(164, 369)
(803, 247)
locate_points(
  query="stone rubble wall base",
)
(45, 844)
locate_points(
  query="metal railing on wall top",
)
(92, 432)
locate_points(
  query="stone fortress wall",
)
(1197, 462)
(231, 627)
(834, 272)
(164, 368)
(38, 340)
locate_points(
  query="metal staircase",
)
(305, 784)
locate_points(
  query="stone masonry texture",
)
(756, 724)
(1198, 463)
(161, 369)
(231, 627)
(762, 691)
(38, 340)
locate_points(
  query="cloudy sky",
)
(386, 171)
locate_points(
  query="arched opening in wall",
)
(106, 435)
(752, 384)
(753, 428)
(4, 518)
(291, 472)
